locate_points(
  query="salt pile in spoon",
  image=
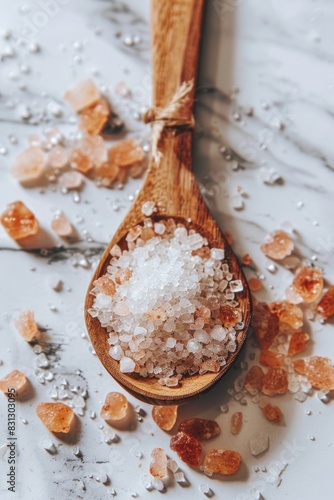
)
(169, 303)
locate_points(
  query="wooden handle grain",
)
(176, 28)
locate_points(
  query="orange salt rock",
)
(14, 380)
(94, 118)
(115, 408)
(30, 165)
(236, 422)
(187, 447)
(19, 221)
(275, 381)
(165, 416)
(123, 275)
(271, 358)
(204, 313)
(61, 226)
(326, 305)
(319, 371)
(246, 259)
(308, 283)
(158, 463)
(203, 252)
(225, 462)
(147, 233)
(299, 366)
(273, 413)
(254, 378)
(287, 313)
(298, 343)
(82, 96)
(58, 157)
(94, 147)
(265, 325)
(108, 170)
(277, 245)
(254, 284)
(80, 161)
(229, 316)
(126, 153)
(105, 285)
(57, 417)
(200, 428)
(27, 326)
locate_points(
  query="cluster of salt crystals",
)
(162, 310)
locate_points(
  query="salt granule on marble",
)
(225, 462)
(14, 380)
(277, 245)
(165, 416)
(85, 94)
(61, 226)
(93, 118)
(115, 408)
(158, 463)
(71, 180)
(27, 326)
(258, 443)
(57, 417)
(19, 221)
(30, 165)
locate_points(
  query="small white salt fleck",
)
(48, 445)
(159, 228)
(158, 484)
(258, 443)
(300, 396)
(180, 477)
(146, 481)
(136, 452)
(55, 282)
(76, 451)
(224, 408)
(205, 489)
(311, 438)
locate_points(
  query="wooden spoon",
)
(171, 185)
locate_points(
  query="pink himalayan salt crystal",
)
(165, 416)
(187, 447)
(115, 408)
(123, 275)
(272, 413)
(298, 343)
(287, 313)
(254, 379)
(229, 316)
(236, 422)
(209, 366)
(308, 283)
(158, 463)
(80, 161)
(29, 165)
(58, 157)
(83, 95)
(61, 226)
(225, 462)
(277, 245)
(27, 326)
(271, 358)
(204, 313)
(127, 153)
(275, 382)
(108, 171)
(94, 118)
(19, 221)
(14, 380)
(265, 325)
(326, 305)
(89, 151)
(319, 371)
(200, 428)
(105, 285)
(116, 251)
(57, 417)
(71, 180)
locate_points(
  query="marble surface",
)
(274, 58)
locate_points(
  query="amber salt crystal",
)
(254, 379)
(225, 462)
(229, 316)
(19, 221)
(115, 408)
(200, 428)
(298, 343)
(272, 413)
(277, 245)
(275, 381)
(187, 447)
(287, 313)
(326, 305)
(126, 153)
(14, 380)
(57, 417)
(271, 358)
(308, 283)
(254, 284)
(27, 326)
(265, 325)
(320, 372)
(165, 416)
(94, 118)
(236, 422)
(158, 463)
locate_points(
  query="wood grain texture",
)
(171, 185)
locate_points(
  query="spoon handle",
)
(176, 29)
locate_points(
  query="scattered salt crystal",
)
(180, 477)
(172, 465)
(71, 180)
(48, 445)
(83, 95)
(146, 481)
(136, 452)
(258, 443)
(158, 484)
(30, 165)
(61, 226)
(224, 408)
(147, 208)
(300, 396)
(55, 282)
(205, 489)
(236, 286)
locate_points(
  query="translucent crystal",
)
(298, 343)
(273, 413)
(275, 381)
(308, 283)
(158, 463)
(30, 165)
(326, 305)
(147, 208)
(85, 94)
(94, 118)
(258, 443)
(115, 408)
(15, 380)
(71, 180)
(236, 422)
(225, 462)
(19, 221)
(277, 245)
(271, 358)
(61, 226)
(27, 326)
(57, 417)
(165, 416)
(265, 325)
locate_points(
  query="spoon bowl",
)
(171, 185)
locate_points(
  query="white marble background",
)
(275, 57)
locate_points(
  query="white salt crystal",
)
(48, 445)
(217, 253)
(180, 477)
(147, 208)
(258, 443)
(146, 481)
(172, 465)
(159, 228)
(205, 489)
(158, 484)
(300, 396)
(127, 365)
(218, 333)
(236, 286)
(116, 353)
(193, 345)
(55, 283)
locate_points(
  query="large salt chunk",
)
(16, 381)
(115, 408)
(19, 221)
(258, 443)
(158, 463)
(165, 416)
(218, 333)
(225, 462)
(83, 95)
(57, 417)
(30, 165)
